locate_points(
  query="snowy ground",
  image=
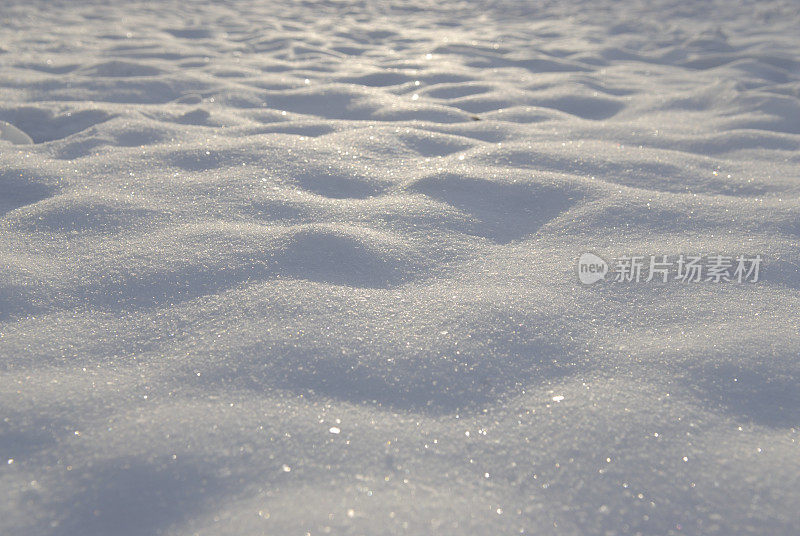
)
(291, 267)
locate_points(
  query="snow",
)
(273, 267)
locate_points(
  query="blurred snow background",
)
(274, 267)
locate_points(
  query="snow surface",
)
(275, 267)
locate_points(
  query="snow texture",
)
(288, 267)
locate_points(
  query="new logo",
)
(591, 268)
